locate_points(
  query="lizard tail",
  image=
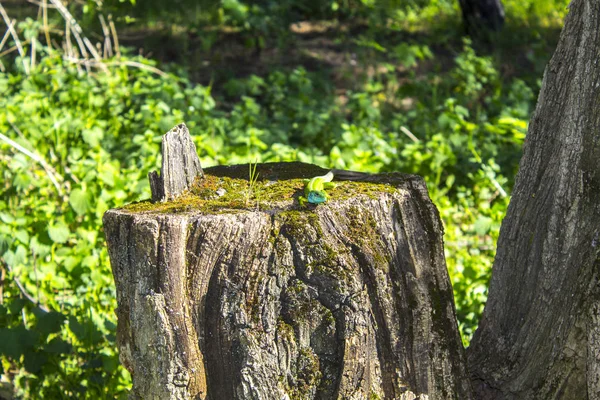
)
(328, 177)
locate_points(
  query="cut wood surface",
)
(233, 291)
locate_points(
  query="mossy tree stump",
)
(237, 292)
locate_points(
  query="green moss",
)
(374, 396)
(285, 330)
(309, 373)
(224, 194)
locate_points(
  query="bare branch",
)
(106, 32)
(49, 170)
(113, 30)
(76, 29)
(44, 6)
(23, 290)
(409, 134)
(135, 64)
(15, 37)
(33, 51)
(5, 38)
(5, 52)
(43, 3)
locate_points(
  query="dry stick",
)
(140, 66)
(23, 291)
(44, 6)
(33, 50)
(409, 134)
(69, 46)
(35, 157)
(15, 37)
(94, 63)
(106, 32)
(5, 52)
(69, 29)
(4, 39)
(76, 29)
(113, 30)
(37, 3)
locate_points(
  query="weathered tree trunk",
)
(346, 300)
(480, 16)
(540, 333)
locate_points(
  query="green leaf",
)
(58, 233)
(16, 306)
(58, 346)
(85, 331)
(482, 225)
(35, 361)
(49, 323)
(23, 236)
(4, 244)
(80, 201)
(6, 217)
(93, 136)
(17, 341)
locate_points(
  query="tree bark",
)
(180, 165)
(480, 16)
(539, 337)
(346, 300)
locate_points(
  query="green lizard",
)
(314, 189)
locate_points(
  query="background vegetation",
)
(369, 85)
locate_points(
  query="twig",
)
(35, 157)
(134, 64)
(409, 134)
(5, 38)
(5, 52)
(68, 44)
(37, 3)
(106, 32)
(15, 37)
(113, 30)
(44, 6)
(23, 291)
(76, 29)
(33, 50)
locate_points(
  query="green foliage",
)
(86, 141)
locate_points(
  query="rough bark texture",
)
(180, 165)
(540, 335)
(481, 16)
(347, 300)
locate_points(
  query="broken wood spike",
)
(180, 165)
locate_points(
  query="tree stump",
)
(234, 291)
